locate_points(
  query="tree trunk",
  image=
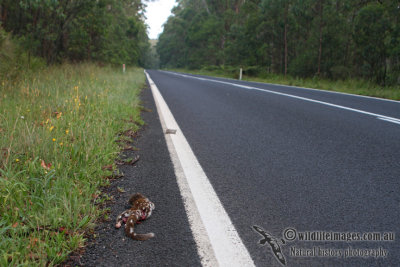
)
(321, 10)
(272, 54)
(285, 37)
(238, 3)
(206, 7)
(347, 56)
(3, 14)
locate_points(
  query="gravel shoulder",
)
(153, 175)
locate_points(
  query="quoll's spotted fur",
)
(141, 209)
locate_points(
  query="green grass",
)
(351, 86)
(58, 128)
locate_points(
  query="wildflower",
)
(51, 128)
(61, 144)
(67, 131)
(54, 139)
(22, 117)
(16, 160)
(44, 165)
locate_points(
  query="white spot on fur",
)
(131, 231)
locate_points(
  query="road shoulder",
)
(153, 175)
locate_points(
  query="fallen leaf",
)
(33, 242)
(5, 151)
(130, 133)
(15, 225)
(117, 175)
(128, 162)
(170, 131)
(145, 109)
(63, 230)
(121, 190)
(128, 147)
(107, 167)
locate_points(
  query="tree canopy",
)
(306, 38)
(104, 30)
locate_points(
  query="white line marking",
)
(389, 120)
(294, 96)
(307, 88)
(223, 240)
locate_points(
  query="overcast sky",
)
(157, 13)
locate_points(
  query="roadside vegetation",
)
(66, 111)
(58, 133)
(351, 86)
(351, 46)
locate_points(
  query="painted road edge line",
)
(298, 87)
(387, 118)
(223, 238)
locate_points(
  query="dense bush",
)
(14, 59)
(104, 30)
(301, 38)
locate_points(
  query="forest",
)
(332, 39)
(108, 31)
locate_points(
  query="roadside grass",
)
(351, 86)
(58, 128)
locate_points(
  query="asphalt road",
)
(291, 157)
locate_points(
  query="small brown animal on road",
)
(141, 209)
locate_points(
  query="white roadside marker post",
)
(240, 74)
(123, 68)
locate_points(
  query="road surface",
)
(292, 158)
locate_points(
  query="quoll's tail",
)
(130, 231)
(142, 237)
